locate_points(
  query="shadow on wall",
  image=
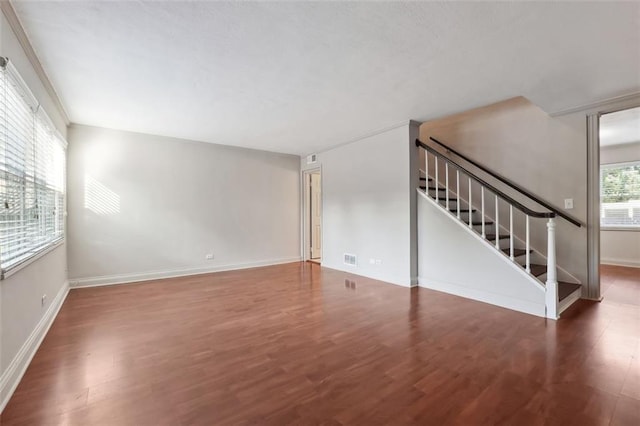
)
(100, 199)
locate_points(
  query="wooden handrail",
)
(493, 189)
(510, 184)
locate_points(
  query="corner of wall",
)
(12, 375)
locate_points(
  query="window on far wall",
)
(620, 195)
(32, 174)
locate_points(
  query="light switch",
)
(568, 203)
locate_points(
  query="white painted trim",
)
(18, 30)
(18, 366)
(593, 206)
(620, 262)
(304, 206)
(593, 186)
(599, 105)
(501, 300)
(29, 260)
(173, 273)
(610, 228)
(569, 300)
(367, 135)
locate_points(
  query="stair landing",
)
(566, 289)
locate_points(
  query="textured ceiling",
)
(620, 127)
(300, 77)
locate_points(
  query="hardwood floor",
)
(299, 344)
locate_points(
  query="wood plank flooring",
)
(300, 344)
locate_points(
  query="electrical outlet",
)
(568, 203)
(378, 261)
(44, 299)
(372, 261)
(209, 256)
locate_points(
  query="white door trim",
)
(305, 176)
(593, 207)
(593, 186)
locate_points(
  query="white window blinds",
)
(32, 174)
(620, 195)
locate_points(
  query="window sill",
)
(620, 228)
(6, 273)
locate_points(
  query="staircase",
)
(499, 221)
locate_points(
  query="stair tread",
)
(442, 199)
(537, 270)
(424, 179)
(566, 289)
(455, 210)
(516, 252)
(493, 236)
(431, 188)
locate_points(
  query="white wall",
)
(23, 318)
(143, 206)
(618, 247)
(546, 155)
(367, 206)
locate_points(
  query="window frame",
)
(12, 77)
(604, 227)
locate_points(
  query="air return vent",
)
(350, 259)
(311, 159)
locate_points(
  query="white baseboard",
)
(528, 307)
(156, 275)
(621, 262)
(18, 366)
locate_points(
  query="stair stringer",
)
(454, 259)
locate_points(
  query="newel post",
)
(551, 295)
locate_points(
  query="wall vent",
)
(311, 159)
(350, 259)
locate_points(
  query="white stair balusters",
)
(446, 183)
(470, 208)
(435, 158)
(426, 170)
(511, 254)
(527, 248)
(484, 235)
(497, 226)
(458, 191)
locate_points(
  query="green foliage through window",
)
(620, 195)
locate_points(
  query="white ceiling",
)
(301, 77)
(620, 127)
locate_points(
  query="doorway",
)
(619, 144)
(313, 216)
(602, 211)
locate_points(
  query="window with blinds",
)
(620, 195)
(32, 174)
